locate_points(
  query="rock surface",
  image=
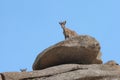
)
(68, 72)
(0, 77)
(111, 62)
(82, 49)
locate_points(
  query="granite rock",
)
(82, 49)
(69, 72)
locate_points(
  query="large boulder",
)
(82, 49)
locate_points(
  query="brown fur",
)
(67, 32)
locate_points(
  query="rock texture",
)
(111, 62)
(68, 72)
(0, 77)
(82, 49)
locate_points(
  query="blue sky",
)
(27, 27)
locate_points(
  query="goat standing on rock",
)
(67, 32)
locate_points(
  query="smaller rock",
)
(111, 62)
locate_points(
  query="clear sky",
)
(27, 27)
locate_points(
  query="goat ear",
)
(60, 23)
(65, 22)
